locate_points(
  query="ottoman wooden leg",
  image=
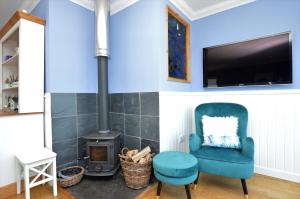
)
(188, 192)
(195, 182)
(158, 189)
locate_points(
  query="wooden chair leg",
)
(244, 187)
(188, 192)
(158, 189)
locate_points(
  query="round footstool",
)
(176, 168)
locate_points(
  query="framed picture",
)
(178, 34)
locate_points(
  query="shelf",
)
(19, 36)
(14, 113)
(11, 61)
(10, 88)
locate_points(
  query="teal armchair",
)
(234, 163)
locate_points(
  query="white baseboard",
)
(294, 177)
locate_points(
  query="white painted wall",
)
(18, 133)
(274, 124)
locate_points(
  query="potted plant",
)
(12, 81)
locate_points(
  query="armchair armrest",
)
(195, 142)
(248, 147)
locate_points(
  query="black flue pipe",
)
(103, 94)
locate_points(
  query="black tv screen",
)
(262, 61)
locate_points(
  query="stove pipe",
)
(102, 53)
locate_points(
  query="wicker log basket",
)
(136, 174)
(70, 176)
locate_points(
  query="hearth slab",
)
(108, 173)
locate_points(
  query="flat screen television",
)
(261, 61)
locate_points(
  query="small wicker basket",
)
(136, 175)
(70, 176)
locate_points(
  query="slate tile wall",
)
(136, 115)
(73, 116)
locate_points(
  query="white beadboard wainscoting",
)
(274, 124)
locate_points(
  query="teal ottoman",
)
(175, 168)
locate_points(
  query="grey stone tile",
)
(97, 103)
(121, 141)
(109, 101)
(132, 142)
(69, 164)
(86, 124)
(63, 104)
(66, 151)
(132, 125)
(117, 103)
(150, 103)
(64, 128)
(81, 148)
(153, 145)
(97, 124)
(81, 152)
(150, 128)
(117, 122)
(104, 188)
(132, 103)
(86, 103)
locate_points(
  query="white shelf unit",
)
(22, 57)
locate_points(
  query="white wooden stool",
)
(37, 161)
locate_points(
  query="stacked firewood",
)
(136, 156)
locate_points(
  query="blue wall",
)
(139, 49)
(71, 65)
(261, 18)
(135, 48)
(138, 60)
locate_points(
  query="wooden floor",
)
(209, 187)
(45, 192)
(215, 187)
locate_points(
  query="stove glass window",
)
(98, 153)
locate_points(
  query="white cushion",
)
(220, 131)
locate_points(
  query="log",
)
(141, 154)
(142, 161)
(131, 153)
(122, 156)
(148, 157)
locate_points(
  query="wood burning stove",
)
(101, 151)
(103, 146)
